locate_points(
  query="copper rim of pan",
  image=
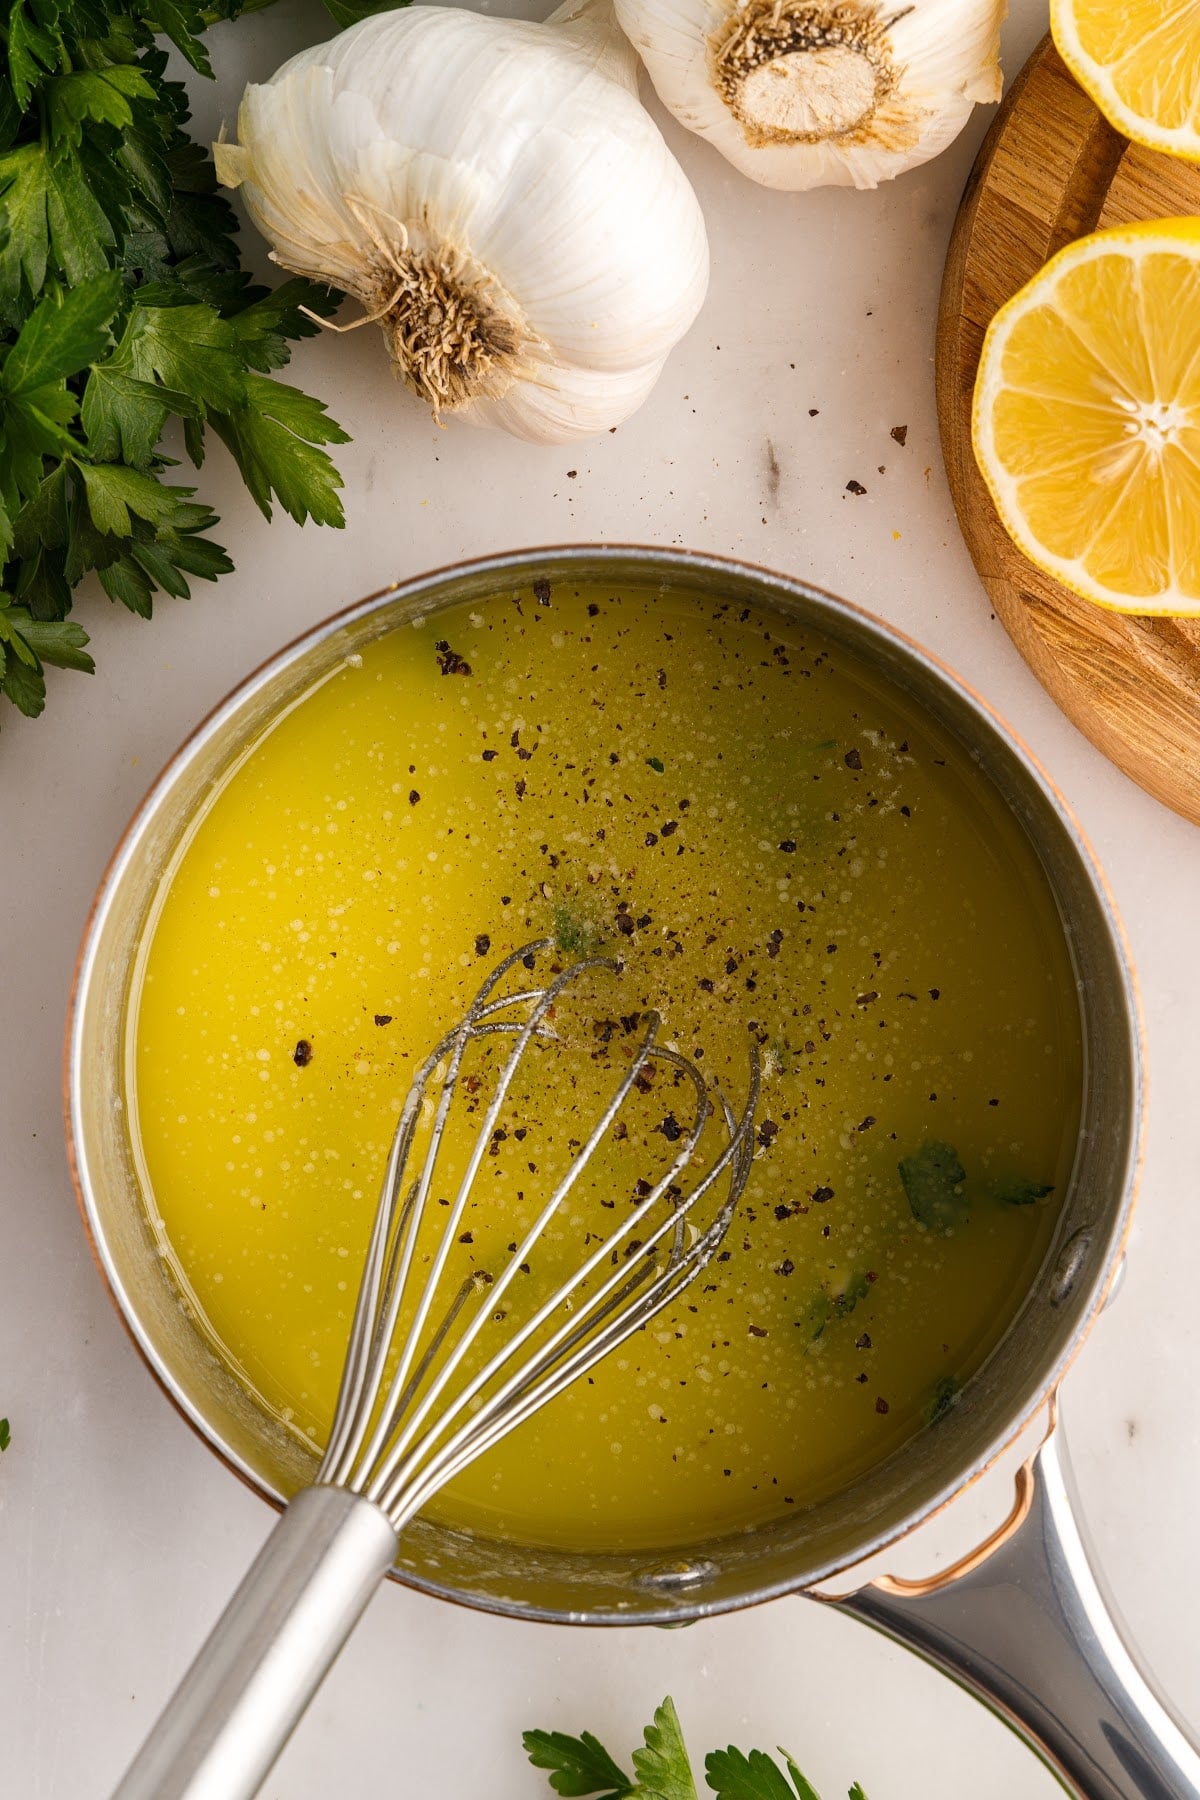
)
(678, 562)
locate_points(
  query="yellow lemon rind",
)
(1177, 236)
(1094, 78)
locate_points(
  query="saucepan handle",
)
(267, 1654)
(1029, 1631)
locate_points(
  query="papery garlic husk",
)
(495, 196)
(809, 93)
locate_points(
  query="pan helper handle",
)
(268, 1653)
(1029, 1631)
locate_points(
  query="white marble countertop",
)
(120, 1534)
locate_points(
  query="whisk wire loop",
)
(386, 1424)
(390, 1442)
(579, 1346)
(520, 1255)
(382, 1285)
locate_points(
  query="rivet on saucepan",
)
(1070, 1265)
(677, 1577)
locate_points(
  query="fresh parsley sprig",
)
(123, 304)
(580, 1766)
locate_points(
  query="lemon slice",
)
(1140, 62)
(1086, 421)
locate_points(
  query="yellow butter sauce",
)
(774, 842)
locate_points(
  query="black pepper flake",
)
(861, 1379)
(881, 1405)
(900, 433)
(413, 796)
(383, 1018)
(671, 1129)
(855, 487)
(521, 788)
(768, 1131)
(863, 1342)
(625, 924)
(852, 759)
(866, 999)
(541, 592)
(449, 661)
(642, 1188)
(788, 846)
(466, 1238)
(906, 812)
(757, 1330)
(935, 993)
(490, 755)
(651, 839)
(786, 1267)
(593, 609)
(821, 1195)
(670, 828)
(302, 1055)
(868, 1122)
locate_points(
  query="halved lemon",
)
(1086, 421)
(1140, 62)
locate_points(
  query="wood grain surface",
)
(1050, 170)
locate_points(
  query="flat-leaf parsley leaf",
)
(932, 1178)
(578, 1765)
(734, 1775)
(661, 1763)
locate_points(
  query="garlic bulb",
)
(804, 93)
(495, 196)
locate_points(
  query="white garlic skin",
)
(514, 161)
(942, 57)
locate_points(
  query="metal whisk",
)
(420, 1397)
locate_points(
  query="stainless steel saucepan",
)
(1022, 1621)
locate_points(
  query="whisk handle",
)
(268, 1653)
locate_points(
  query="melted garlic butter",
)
(774, 842)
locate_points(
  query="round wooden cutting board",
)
(1050, 170)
